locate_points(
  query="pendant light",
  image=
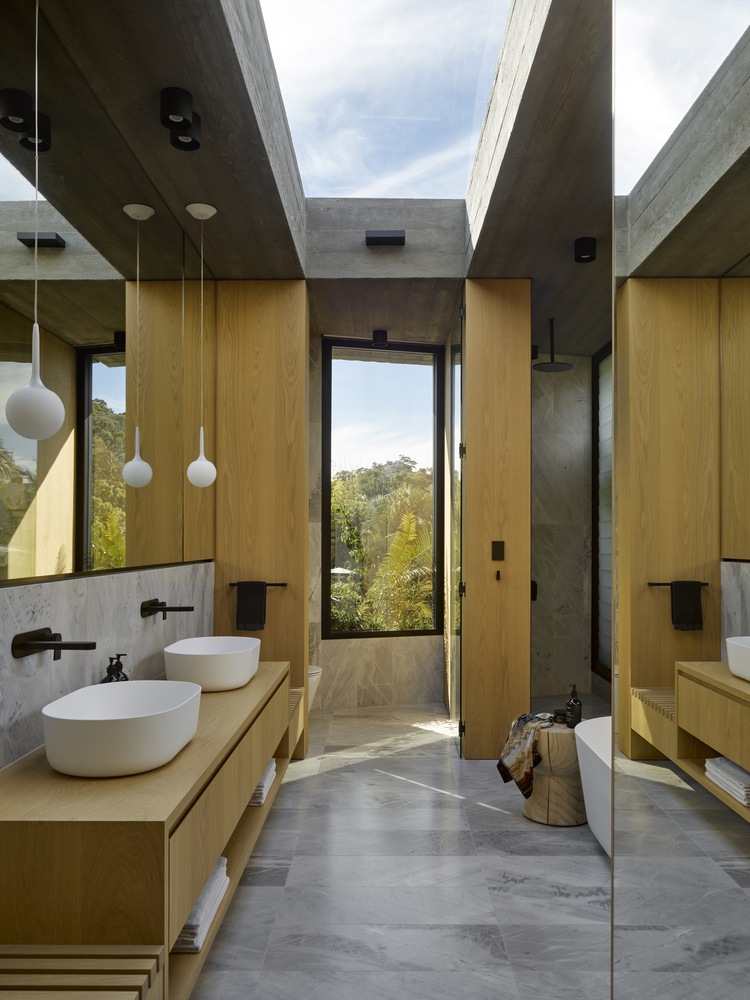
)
(137, 472)
(34, 411)
(201, 472)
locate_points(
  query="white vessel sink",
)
(108, 730)
(738, 655)
(216, 662)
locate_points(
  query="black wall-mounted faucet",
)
(153, 607)
(27, 643)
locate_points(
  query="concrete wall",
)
(561, 529)
(104, 608)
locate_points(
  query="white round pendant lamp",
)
(201, 472)
(34, 411)
(137, 472)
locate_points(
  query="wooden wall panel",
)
(496, 615)
(667, 459)
(735, 418)
(170, 520)
(153, 514)
(262, 457)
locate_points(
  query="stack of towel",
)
(264, 785)
(731, 777)
(193, 934)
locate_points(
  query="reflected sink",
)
(738, 655)
(108, 730)
(216, 662)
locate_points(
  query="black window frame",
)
(83, 457)
(438, 538)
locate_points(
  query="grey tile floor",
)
(390, 868)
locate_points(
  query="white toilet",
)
(313, 680)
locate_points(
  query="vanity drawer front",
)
(275, 720)
(197, 843)
(716, 718)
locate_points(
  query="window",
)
(100, 492)
(382, 490)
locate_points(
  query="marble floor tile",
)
(385, 905)
(681, 950)
(537, 840)
(558, 949)
(559, 892)
(443, 815)
(388, 986)
(243, 936)
(227, 984)
(577, 984)
(386, 947)
(737, 868)
(682, 906)
(266, 871)
(678, 986)
(411, 870)
(386, 843)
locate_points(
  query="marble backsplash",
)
(104, 608)
(735, 601)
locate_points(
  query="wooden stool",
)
(557, 797)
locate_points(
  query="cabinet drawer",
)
(197, 843)
(275, 720)
(716, 718)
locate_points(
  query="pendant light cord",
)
(36, 160)
(137, 320)
(201, 322)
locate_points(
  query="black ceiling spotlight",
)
(39, 137)
(16, 110)
(379, 338)
(176, 108)
(585, 249)
(189, 138)
(385, 237)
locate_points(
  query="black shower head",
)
(552, 365)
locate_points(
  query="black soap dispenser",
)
(114, 670)
(573, 709)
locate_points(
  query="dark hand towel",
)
(686, 605)
(251, 605)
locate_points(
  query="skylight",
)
(385, 98)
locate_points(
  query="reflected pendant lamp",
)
(137, 472)
(34, 411)
(201, 472)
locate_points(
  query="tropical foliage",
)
(382, 546)
(107, 487)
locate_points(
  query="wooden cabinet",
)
(713, 706)
(121, 861)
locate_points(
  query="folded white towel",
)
(730, 789)
(205, 901)
(191, 943)
(722, 765)
(264, 785)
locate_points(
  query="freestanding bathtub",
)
(594, 746)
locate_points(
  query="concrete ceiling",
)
(103, 65)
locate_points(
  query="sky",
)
(386, 98)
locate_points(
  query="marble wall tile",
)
(104, 608)
(561, 529)
(735, 601)
(338, 682)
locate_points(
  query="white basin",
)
(216, 662)
(738, 655)
(108, 730)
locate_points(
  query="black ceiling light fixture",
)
(585, 249)
(379, 338)
(385, 237)
(552, 365)
(16, 110)
(189, 138)
(39, 137)
(176, 111)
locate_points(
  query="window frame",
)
(597, 668)
(438, 537)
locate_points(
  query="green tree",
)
(107, 487)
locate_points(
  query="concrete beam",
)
(689, 214)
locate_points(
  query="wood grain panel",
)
(735, 418)
(262, 456)
(496, 615)
(153, 514)
(667, 455)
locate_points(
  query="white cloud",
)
(665, 54)
(358, 445)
